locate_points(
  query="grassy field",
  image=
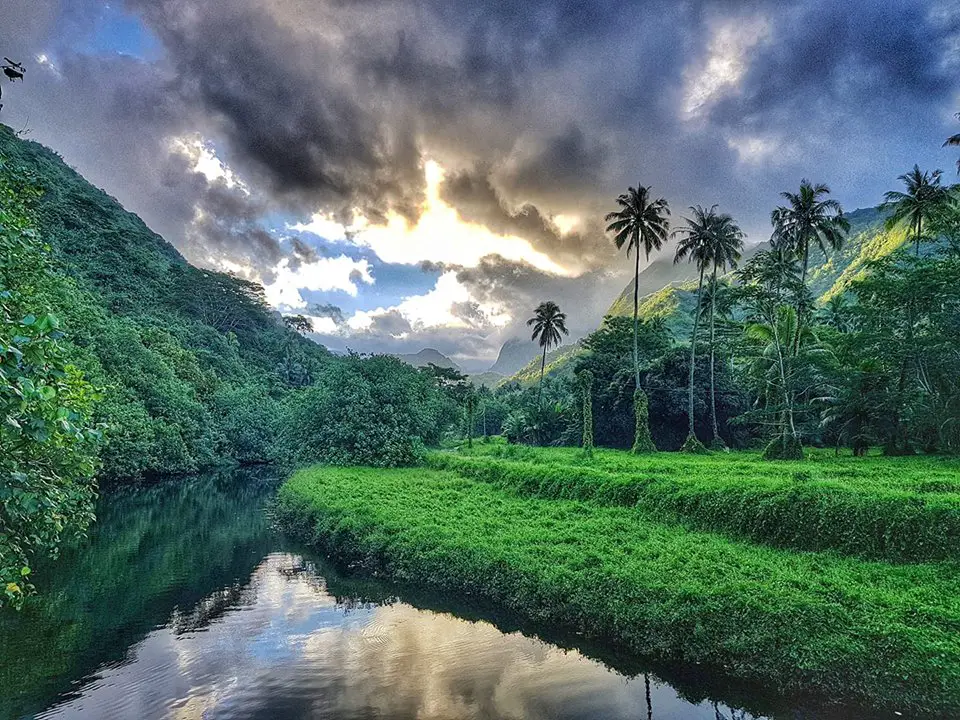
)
(897, 509)
(839, 626)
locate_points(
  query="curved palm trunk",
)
(919, 228)
(693, 352)
(806, 261)
(543, 364)
(642, 441)
(713, 390)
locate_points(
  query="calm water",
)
(184, 604)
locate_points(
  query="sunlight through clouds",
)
(447, 305)
(440, 235)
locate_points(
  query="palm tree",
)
(726, 240)
(775, 270)
(640, 222)
(695, 245)
(809, 218)
(925, 196)
(548, 322)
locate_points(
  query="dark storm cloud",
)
(534, 109)
(477, 200)
(864, 59)
(567, 162)
(302, 252)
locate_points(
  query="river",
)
(184, 603)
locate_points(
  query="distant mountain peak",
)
(514, 355)
(428, 356)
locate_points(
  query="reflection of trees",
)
(211, 608)
(694, 684)
(646, 684)
(176, 544)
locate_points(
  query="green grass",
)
(844, 628)
(897, 509)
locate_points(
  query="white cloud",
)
(435, 309)
(325, 274)
(321, 225)
(323, 324)
(726, 61)
(44, 61)
(205, 161)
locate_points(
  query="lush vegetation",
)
(118, 358)
(845, 627)
(894, 509)
(804, 343)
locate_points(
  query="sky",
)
(422, 173)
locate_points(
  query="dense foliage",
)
(871, 361)
(107, 331)
(842, 627)
(48, 441)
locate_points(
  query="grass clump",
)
(844, 628)
(903, 511)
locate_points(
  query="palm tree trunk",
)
(636, 313)
(919, 230)
(713, 391)
(693, 351)
(543, 364)
(806, 263)
(795, 341)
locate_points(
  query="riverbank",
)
(841, 627)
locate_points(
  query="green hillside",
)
(195, 368)
(668, 291)
(558, 362)
(673, 301)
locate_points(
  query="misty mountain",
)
(429, 356)
(514, 355)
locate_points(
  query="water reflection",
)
(282, 647)
(184, 604)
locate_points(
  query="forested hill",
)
(667, 290)
(193, 366)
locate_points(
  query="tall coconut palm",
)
(925, 196)
(639, 222)
(809, 217)
(726, 239)
(695, 245)
(548, 322)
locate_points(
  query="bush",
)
(376, 411)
